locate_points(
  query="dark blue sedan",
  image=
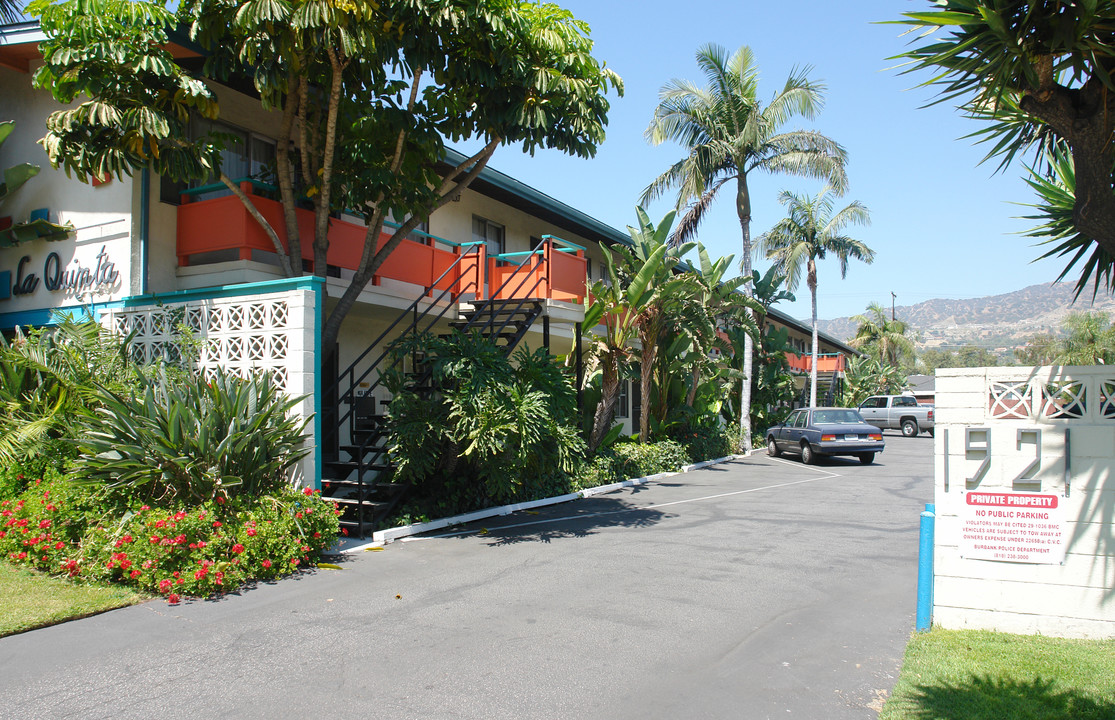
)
(811, 432)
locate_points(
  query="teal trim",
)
(46, 316)
(319, 321)
(223, 291)
(419, 233)
(503, 256)
(216, 187)
(566, 243)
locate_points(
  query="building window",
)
(246, 155)
(489, 233)
(623, 402)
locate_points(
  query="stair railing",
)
(349, 375)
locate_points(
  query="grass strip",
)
(982, 675)
(30, 600)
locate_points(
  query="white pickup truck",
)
(898, 412)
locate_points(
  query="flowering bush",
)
(212, 547)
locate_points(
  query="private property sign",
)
(1015, 527)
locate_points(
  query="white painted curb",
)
(383, 537)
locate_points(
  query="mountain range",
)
(997, 322)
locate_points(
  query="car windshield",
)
(836, 417)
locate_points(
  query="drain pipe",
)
(144, 227)
(925, 569)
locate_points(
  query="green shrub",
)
(191, 439)
(627, 460)
(705, 439)
(47, 380)
(493, 431)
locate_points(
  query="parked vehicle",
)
(898, 412)
(812, 432)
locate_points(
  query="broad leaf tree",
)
(727, 133)
(1038, 74)
(810, 232)
(368, 93)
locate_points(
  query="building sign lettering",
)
(55, 278)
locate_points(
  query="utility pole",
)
(892, 297)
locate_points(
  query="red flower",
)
(294, 561)
(160, 523)
(317, 534)
(21, 555)
(59, 545)
(238, 548)
(220, 500)
(266, 563)
(145, 507)
(200, 544)
(251, 532)
(344, 531)
(44, 523)
(164, 586)
(127, 538)
(298, 515)
(51, 508)
(307, 491)
(172, 598)
(216, 523)
(135, 574)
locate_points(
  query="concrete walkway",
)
(760, 588)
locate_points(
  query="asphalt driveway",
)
(759, 588)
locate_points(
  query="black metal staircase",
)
(830, 385)
(356, 473)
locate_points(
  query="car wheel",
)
(909, 428)
(866, 458)
(772, 448)
(807, 455)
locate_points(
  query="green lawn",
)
(979, 675)
(29, 599)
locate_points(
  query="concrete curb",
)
(383, 537)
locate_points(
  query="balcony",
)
(826, 363)
(219, 229)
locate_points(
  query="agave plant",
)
(191, 438)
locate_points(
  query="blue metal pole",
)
(925, 571)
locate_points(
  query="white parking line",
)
(827, 475)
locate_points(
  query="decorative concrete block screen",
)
(270, 332)
(1025, 500)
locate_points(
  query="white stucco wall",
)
(102, 216)
(1026, 414)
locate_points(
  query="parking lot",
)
(753, 589)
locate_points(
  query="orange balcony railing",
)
(829, 362)
(556, 270)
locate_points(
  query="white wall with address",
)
(1025, 500)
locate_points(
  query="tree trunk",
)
(605, 413)
(743, 209)
(812, 282)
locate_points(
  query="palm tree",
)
(728, 133)
(11, 11)
(808, 234)
(884, 338)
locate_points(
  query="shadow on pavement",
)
(587, 519)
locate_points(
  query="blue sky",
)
(943, 226)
